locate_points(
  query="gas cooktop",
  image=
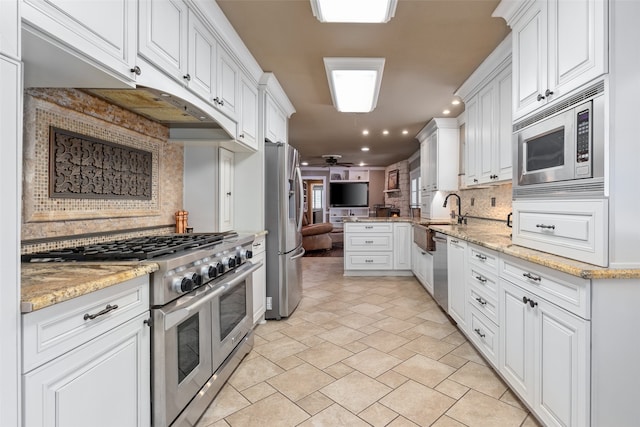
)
(138, 248)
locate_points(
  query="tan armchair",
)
(316, 236)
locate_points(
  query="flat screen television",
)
(349, 194)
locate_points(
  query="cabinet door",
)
(103, 383)
(248, 114)
(530, 59)
(276, 122)
(202, 59)
(9, 28)
(227, 86)
(424, 164)
(456, 250)
(486, 133)
(163, 35)
(402, 246)
(516, 343)
(259, 288)
(226, 163)
(103, 30)
(577, 43)
(562, 384)
(472, 141)
(502, 154)
(432, 177)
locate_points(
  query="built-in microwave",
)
(563, 153)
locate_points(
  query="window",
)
(317, 197)
(416, 183)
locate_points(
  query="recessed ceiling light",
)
(385, 132)
(446, 112)
(354, 83)
(362, 163)
(304, 164)
(404, 132)
(364, 149)
(166, 95)
(455, 102)
(365, 132)
(361, 11)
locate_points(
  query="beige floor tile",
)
(366, 309)
(368, 330)
(409, 401)
(324, 355)
(384, 341)
(401, 313)
(252, 372)
(220, 423)
(300, 381)
(479, 410)
(434, 315)
(401, 421)
(393, 325)
(281, 348)
(315, 403)
(445, 421)
(356, 321)
(378, 415)
(531, 421)
(455, 338)
(424, 370)
(453, 361)
(433, 329)
(228, 401)
(258, 392)
(452, 389)
(513, 400)
(480, 378)
(466, 351)
(312, 341)
(372, 362)
(320, 317)
(355, 391)
(376, 299)
(334, 416)
(303, 330)
(392, 379)
(289, 362)
(274, 411)
(356, 347)
(402, 353)
(342, 335)
(270, 327)
(430, 347)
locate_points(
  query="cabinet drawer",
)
(571, 228)
(369, 227)
(54, 330)
(485, 334)
(366, 261)
(258, 245)
(484, 258)
(569, 292)
(369, 242)
(484, 280)
(484, 304)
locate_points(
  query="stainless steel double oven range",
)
(201, 313)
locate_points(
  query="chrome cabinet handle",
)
(480, 334)
(481, 279)
(544, 226)
(102, 312)
(481, 257)
(481, 301)
(532, 277)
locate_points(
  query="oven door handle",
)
(175, 317)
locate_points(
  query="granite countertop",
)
(496, 235)
(46, 284)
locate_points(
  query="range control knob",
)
(183, 284)
(214, 270)
(232, 262)
(228, 262)
(239, 260)
(245, 254)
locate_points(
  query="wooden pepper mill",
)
(182, 219)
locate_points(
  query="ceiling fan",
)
(334, 160)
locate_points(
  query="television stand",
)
(338, 215)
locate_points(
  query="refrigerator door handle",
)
(300, 198)
(299, 255)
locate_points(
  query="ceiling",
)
(430, 46)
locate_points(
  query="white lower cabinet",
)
(102, 379)
(422, 267)
(456, 261)
(544, 356)
(259, 280)
(402, 246)
(377, 247)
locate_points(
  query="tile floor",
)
(363, 351)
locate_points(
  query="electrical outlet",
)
(493, 202)
(473, 201)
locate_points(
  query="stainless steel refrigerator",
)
(283, 221)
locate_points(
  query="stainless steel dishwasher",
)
(440, 280)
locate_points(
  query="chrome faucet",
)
(460, 217)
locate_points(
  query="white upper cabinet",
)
(487, 97)
(9, 31)
(203, 51)
(163, 35)
(99, 30)
(558, 46)
(248, 116)
(439, 152)
(276, 122)
(226, 97)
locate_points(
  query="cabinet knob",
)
(531, 302)
(241, 136)
(481, 301)
(540, 97)
(475, 180)
(136, 70)
(187, 77)
(548, 92)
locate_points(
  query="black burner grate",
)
(139, 248)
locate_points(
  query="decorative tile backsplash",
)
(55, 219)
